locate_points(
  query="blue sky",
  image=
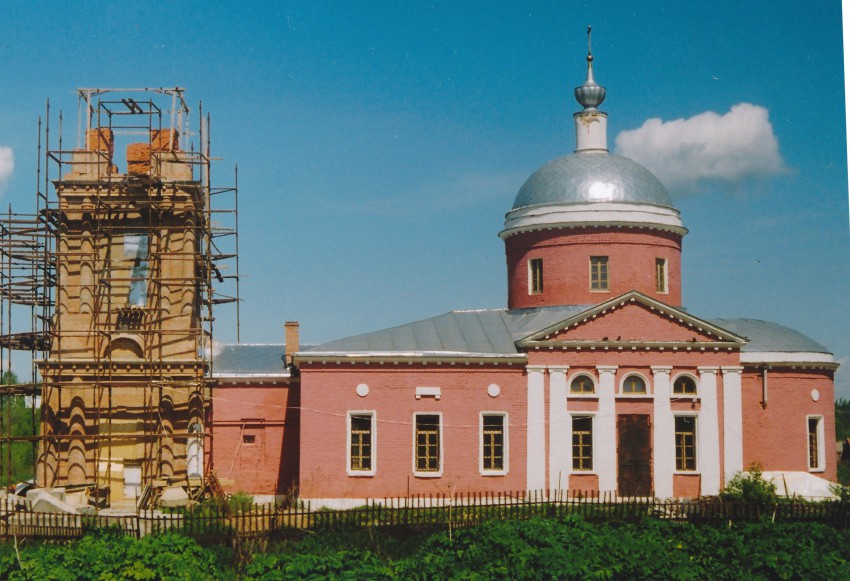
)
(380, 144)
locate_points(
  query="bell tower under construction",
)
(127, 261)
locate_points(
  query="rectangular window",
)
(493, 445)
(361, 443)
(136, 257)
(599, 273)
(686, 443)
(815, 439)
(535, 276)
(582, 443)
(427, 443)
(661, 275)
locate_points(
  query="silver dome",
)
(592, 177)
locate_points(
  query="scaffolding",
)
(110, 288)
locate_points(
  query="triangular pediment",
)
(630, 320)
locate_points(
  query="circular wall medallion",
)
(362, 390)
(493, 390)
(815, 395)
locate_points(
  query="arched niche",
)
(125, 348)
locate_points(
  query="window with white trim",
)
(361, 443)
(582, 443)
(535, 276)
(633, 384)
(599, 273)
(816, 453)
(582, 384)
(686, 443)
(494, 443)
(684, 385)
(661, 275)
(427, 448)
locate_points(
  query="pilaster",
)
(606, 430)
(733, 422)
(708, 431)
(536, 428)
(664, 455)
(559, 429)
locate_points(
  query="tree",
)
(17, 419)
(842, 419)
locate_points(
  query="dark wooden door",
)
(634, 454)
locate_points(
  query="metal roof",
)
(467, 332)
(592, 177)
(248, 358)
(496, 331)
(765, 336)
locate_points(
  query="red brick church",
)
(593, 379)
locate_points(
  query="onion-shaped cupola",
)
(592, 225)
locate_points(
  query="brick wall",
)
(633, 322)
(566, 264)
(256, 437)
(776, 435)
(328, 394)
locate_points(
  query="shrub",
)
(749, 486)
(240, 502)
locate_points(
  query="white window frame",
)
(374, 443)
(666, 289)
(531, 289)
(505, 447)
(647, 393)
(674, 395)
(696, 469)
(821, 441)
(607, 288)
(592, 416)
(438, 473)
(575, 394)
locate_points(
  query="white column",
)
(536, 429)
(708, 432)
(559, 429)
(733, 422)
(605, 459)
(664, 433)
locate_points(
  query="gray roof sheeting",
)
(486, 332)
(247, 358)
(496, 331)
(482, 332)
(765, 336)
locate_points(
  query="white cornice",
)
(409, 357)
(785, 357)
(596, 214)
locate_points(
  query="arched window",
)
(634, 384)
(684, 385)
(582, 384)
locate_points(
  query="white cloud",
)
(7, 165)
(687, 154)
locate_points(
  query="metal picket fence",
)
(216, 524)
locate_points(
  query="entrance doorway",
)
(634, 454)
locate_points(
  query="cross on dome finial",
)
(590, 95)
